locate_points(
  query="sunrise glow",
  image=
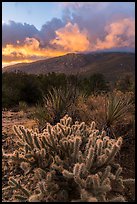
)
(83, 28)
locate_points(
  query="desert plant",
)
(92, 108)
(109, 111)
(68, 158)
(56, 103)
(118, 105)
(95, 84)
(41, 116)
(23, 106)
(126, 83)
(20, 87)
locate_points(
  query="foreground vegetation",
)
(78, 153)
(68, 158)
(21, 87)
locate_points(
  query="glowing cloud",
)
(119, 34)
(71, 39)
(28, 52)
(84, 26)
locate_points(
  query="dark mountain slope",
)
(112, 64)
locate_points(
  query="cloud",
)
(94, 16)
(119, 34)
(12, 31)
(84, 26)
(28, 52)
(71, 39)
(48, 31)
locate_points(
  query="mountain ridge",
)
(107, 63)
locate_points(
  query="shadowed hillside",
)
(112, 64)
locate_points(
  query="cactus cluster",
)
(70, 162)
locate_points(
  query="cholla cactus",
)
(68, 158)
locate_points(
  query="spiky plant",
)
(58, 102)
(118, 105)
(68, 162)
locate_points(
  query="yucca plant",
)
(117, 107)
(56, 103)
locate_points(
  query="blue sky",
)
(36, 13)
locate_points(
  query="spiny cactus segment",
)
(68, 158)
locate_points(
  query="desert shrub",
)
(125, 83)
(30, 91)
(56, 103)
(89, 108)
(66, 158)
(118, 106)
(108, 110)
(23, 106)
(51, 80)
(10, 98)
(120, 114)
(95, 84)
(31, 88)
(18, 87)
(95, 109)
(41, 116)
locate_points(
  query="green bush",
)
(18, 87)
(95, 84)
(31, 88)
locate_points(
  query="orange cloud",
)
(31, 48)
(71, 39)
(28, 52)
(119, 34)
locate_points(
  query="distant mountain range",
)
(111, 64)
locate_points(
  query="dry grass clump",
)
(108, 110)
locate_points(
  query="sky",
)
(37, 30)
(30, 12)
